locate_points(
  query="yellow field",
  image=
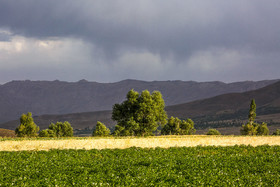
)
(150, 142)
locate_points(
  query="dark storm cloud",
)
(242, 32)
(177, 27)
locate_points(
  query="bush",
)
(101, 130)
(276, 133)
(60, 129)
(47, 133)
(175, 126)
(254, 129)
(213, 132)
(249, 129)
(262, 129)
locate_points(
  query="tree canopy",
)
(60, 129)
(139, 114)
(27, 127)
(175, 126)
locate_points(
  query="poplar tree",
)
(252, 112)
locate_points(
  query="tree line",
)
(139, 115)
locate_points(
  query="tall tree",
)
(139, 114)
(252, 128)
(27, 127)
(252, 112)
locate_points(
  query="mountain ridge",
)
(60, 97)
(225, 107)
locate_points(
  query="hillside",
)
(7, 133)
(267, 100)
(227, 110)
(56, 97)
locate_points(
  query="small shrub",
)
(101, 130)
(262, 129)
(213, 132)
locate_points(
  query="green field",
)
(196, 166)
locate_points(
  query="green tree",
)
(139, 115)
(252, 128)
(213, 132)
(60, 129)
(187, 127)
(27, 127)
(101, 130)
(262, 129)
(47, 133)
(252, 112)
(249, 129)
(172, 127)
(175, 126)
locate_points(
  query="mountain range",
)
(57, 97)
(225, 107)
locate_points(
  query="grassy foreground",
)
(185, 166)
(122, 143)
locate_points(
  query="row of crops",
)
(215, 166)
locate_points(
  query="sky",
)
(113, 40)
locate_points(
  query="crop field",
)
(146, 142)
(177, 166)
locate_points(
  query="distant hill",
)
(57, 97)
(267, 100)
(219, 112)
(232, 109)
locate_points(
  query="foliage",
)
(213, 132)
(27, 127)
(175, 126)
(101, 130)
(139, 115)
(186, 166)
(47, 133)
(249, 129)
(252, 128)
(277, 132)
(252, 112)
(60, 129)
(262, 129)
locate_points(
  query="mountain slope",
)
(267, 98)
(56, 97)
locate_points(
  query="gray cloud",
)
(182, 36)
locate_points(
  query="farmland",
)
(19, 144)
(196, 166)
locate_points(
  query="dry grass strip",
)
(148, 142)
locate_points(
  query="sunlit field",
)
(145, 142)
